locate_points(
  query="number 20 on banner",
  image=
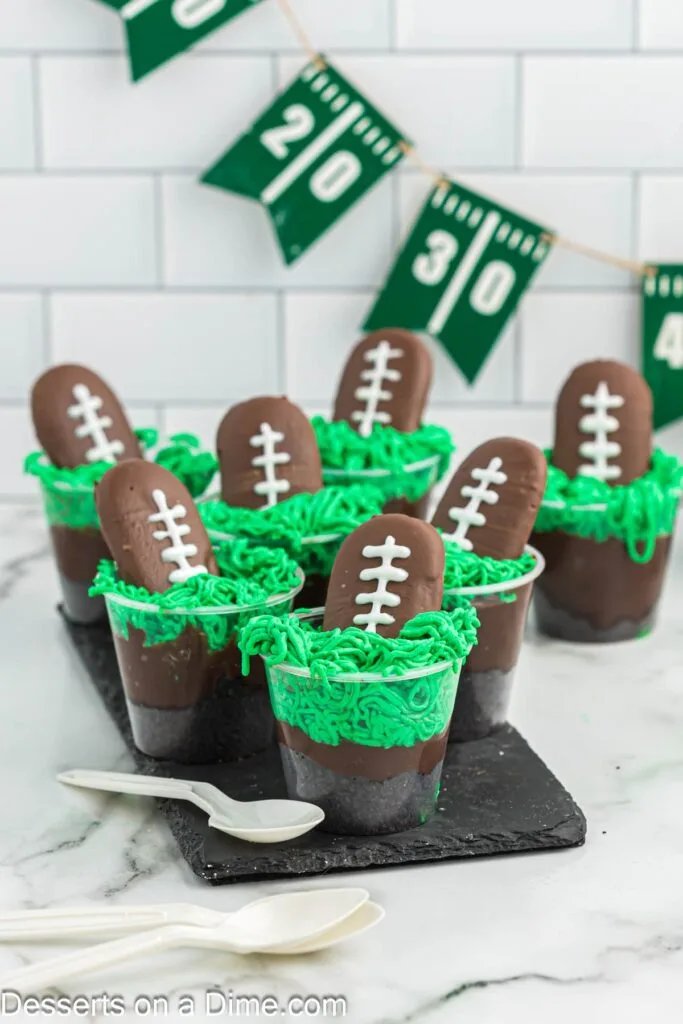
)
(310, 157)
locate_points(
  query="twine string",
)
(440, 179)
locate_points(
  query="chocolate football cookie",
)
(387, 571)
(78, 419)
(603, 423)
(152, 526)
(267, 452)
(386, 380)
(492, 500)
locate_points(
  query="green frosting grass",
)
(333, 511)
(249, 576)
(636, 513)
(467, 569)
(341, 447)
(69, 493)
(378, 713)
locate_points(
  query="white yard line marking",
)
(463, 273)
(135, 7)
(310, 154)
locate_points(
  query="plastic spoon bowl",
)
(257, 821)
(289, 924)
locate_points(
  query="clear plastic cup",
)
(189, 701)
(423, 474)
(488, 674)
(315, 553)
(594, 591)
(364, 788)
(78, 550)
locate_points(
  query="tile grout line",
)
(46, 321)
(281, 367)
(37, 115)
(159, 235)
(518, 339)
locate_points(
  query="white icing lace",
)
(384, 574)
(271, 487)
(93, 426)
(373, 393)
(600, 424)
(178, 552)
(470, 514)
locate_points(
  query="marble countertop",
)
(595, 932)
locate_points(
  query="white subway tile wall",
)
(112, 254)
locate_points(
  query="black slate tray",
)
(496, 797)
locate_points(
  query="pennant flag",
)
(663, 341)
(310, 156)
(158, 30)
(461, 274)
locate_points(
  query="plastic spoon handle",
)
(140, 785)
(41, 976)
(93, 921)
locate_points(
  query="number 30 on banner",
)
(461, 274)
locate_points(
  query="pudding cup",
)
(366, 783)
(486, 680)
(78, 549)
(187, 698)
(423, 475)
(315, 556)
(595, 591)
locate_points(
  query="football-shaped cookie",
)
(152, 526)
(491, 502)
(603, 423)
(78, 419)
(267, 452)
(386, 380)
(387, 571)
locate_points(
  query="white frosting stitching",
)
(384, 574)
(178, 552)
(601, 424)
(470, 514)
(373, 393)
(271, 487)
(94, 426)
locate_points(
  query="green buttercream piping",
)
(341, 447)
(186, 460)
(69, 493)
(333, 511)
(467, 569)
(249, 576)
(636, 513)
(377, 713)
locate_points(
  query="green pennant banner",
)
(310, 156)
(663, 341)
(461, 274)
(158, 30)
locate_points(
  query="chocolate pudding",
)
(192, 705)
(483, 697)
(78, 554)
(593, 592)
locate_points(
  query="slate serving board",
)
(496, 797)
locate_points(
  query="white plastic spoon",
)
(91, 922)
(289, 924)
(259, 821)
